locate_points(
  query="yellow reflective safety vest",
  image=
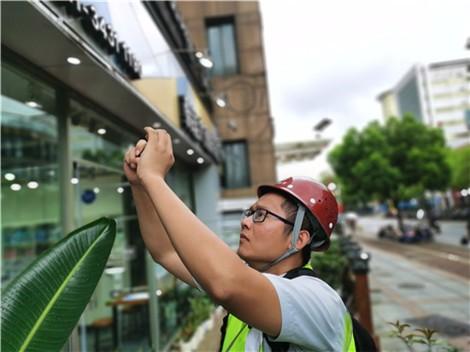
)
(236, 331)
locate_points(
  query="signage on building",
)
(104, 35)
(191, 123)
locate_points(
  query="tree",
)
(398, 161)
(459, 160)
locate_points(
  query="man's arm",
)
(240, 289)
(152, 231)
(156, 239)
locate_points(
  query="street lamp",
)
(322, 124)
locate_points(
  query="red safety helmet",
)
(318, 201)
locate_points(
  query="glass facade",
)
(29, 131)
(31, 202)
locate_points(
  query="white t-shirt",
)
(313, 316)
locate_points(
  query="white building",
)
(438, 94)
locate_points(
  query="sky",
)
(333, 58)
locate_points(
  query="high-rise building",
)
(438, 94)
(231, 32)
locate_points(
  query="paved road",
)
(451, 231)
(426, 285)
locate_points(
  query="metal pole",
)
(154, 317)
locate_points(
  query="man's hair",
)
(290, 207)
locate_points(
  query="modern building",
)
(231, 32)
(438, 94)
(80, 80)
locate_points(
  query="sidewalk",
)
(413, 293)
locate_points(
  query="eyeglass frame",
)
(251, 212)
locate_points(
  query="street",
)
(425, 285)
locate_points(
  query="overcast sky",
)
(333, 58)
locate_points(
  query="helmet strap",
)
(299, 218)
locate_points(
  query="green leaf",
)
(42, 305)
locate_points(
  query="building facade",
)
(231, 32)
(437, 94)
(80, 81)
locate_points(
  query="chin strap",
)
(299, 218)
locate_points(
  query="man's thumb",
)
(149, 133)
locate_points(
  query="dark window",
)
(222, 45)
(236, 165)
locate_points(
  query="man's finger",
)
(140, 146)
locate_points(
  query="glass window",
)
(30, 186)
(222, 46)
(236, 165)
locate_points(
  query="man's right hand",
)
(131, 158)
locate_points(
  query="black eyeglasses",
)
(259, 215)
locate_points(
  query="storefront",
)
(65, 127)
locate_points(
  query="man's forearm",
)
(153, 233)
(156, 238)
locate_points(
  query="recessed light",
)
(9, 176)
(15, 187)
(176, 140)
(74, 180)
(96, 190)
(33, 104)
(190, 151)
(73, 60)
(120, 190)
(200, 160)
(32, 184)
(157, 125)
(158, 292)
(101, 131)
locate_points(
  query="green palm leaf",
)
(42, 305)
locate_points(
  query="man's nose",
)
(246, 222)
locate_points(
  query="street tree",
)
(459, 160)
(392, 162)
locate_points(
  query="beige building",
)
(231, 32)
(389, 105)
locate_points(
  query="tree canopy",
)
(395, 161)
(459, 160)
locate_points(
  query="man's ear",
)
(303, 240)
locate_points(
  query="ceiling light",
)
(101, 131)
(9, 176)
(32, 184)
(190, 151)
(73, 60)
(120, 190)
(200, 160)
(74, 180)
(96, 190)
(157, 125)
(158, 292)
(116, 270)
(15, 187)
(199, 54)
(176, 140)
(33, 104)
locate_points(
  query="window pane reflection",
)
(29, 170)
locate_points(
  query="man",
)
(277, 234)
